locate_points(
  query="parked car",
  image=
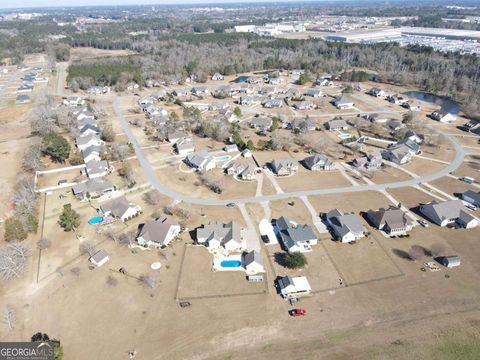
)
(185, 304)
(423, 223)
(297, 312)
(230, 204)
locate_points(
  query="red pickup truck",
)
(297, 312)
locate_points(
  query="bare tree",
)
(13, 260)
(9, 317)
(148, 281)
(119, 152)
(127, 238)
(111, 234)
(43, 244)
(416, 252)
(32, 159)
(152, 197)
(437, 249)
(87, 248)
(75, 271)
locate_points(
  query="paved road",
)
(9, 82)
(61, 78)
(153, 179)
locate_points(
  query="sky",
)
(6, 4)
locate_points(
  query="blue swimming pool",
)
(95, 220)
(344, 136)
(223, 158)
(230, 263)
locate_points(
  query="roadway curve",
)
(153, 179)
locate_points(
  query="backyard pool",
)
(230, 263)
(241, 79)
(223, 158)
(344, 136)
(95, 220)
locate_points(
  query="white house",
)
(73, 101)
(253, 263)
(214, 235)
(95, 169)
(184, 146)
(449, 212)
(443, 117)
(99, 258)
(120, 208)
(346, 228)
(158, 232)
(343, 102)
(92, 153)
(294, 287)
(200, 161)
(84, 142)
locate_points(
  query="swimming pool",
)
(95, 220)
(223, 158)
(230, 263)
(344, 136)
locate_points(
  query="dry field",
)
(305, 179)
(92, 53)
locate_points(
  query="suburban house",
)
(413, 136)
(318, 162)
(246, 153)
(324, 82)
(313, 93)
(296, 239)
(227, 115)
(294, 286)
(230, 148)
(399, 155)
(199, 90)
(217, 76)
(92, 153)
(394, 125)
(372, 161)
(273, 103)
(411, 106)
(184, 146)
(180, 92)
(472, 126)
(89, 129)
(92, 188)
(253, 263)
(120, 208)
(284, 167)
(396, 99)
(267, 91)
(346, 228)
(158, 232)
(200, 161)
(392, 221)
(305, 105)
(73, 101)
(302, 125)
(377, 118)
(245, 100)
(175, 136)
(84, 142)
(377, 92)
(242, 171)
(339, 124)
(449, 212)
(443, 117)
(261, 123)
(95, 169)
(218, 105)
(412, 146)
(214, 235)
(343, 102)
(99, 258)
(471, 197)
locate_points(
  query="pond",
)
(241, 79)
(446, 104)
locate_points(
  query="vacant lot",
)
(355, 202)
(308, 180)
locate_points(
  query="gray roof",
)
(90, 126)
(291, 236)
(99, 255)
(252, 257)
(277, 165)
(342, 100)
(344, 224)
(197, 159)
(83, 140)
(221, 232)
(92, 186)
(412, 145)
(473, 195)
(117, 206)
(335, 124)
(450, 209)
(96, 167)
(92, 150)
(394, 218)
(320, 160)
(261, 122)
(157, 230)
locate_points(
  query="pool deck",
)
(218, 259)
